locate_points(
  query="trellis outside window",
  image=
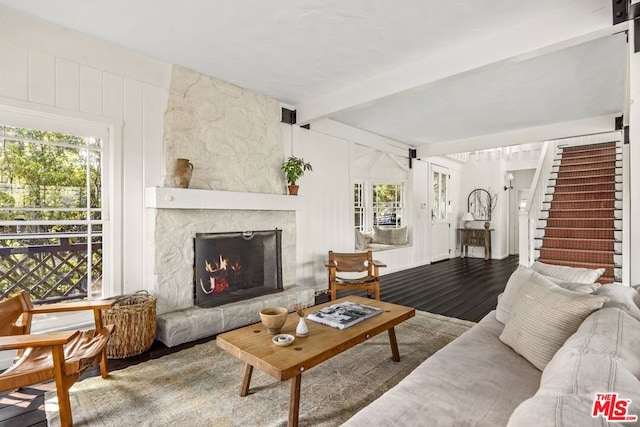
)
(51, 214)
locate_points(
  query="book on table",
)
(344, 314)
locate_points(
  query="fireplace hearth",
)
(234, 266)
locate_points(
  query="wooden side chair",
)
(359, 262)
(62, 356)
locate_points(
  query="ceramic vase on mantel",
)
(182, 173)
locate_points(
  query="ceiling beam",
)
(578, 22)
(592, 125)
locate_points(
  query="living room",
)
(154, 111)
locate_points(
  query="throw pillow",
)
(360, 242)
(519, 277)
(583, 288)
(390, 236)
(543, 318)
(622, 297)
(568, 274)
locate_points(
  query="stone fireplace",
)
(175, 216)
(235, 266)
(234, 139)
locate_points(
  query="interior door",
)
(440, 214)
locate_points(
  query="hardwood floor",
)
(463, 288)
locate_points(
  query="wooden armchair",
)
(359, 262)
(63, 356)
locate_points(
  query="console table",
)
(475, 237)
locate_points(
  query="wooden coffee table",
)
(253, 345)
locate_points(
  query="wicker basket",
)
(134, 317)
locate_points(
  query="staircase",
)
(582, 213)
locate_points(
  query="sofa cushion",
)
(623, 297)
(600, 357)
(390, 236)
(543, 318)
(559, 411)
(586, 363)
(583, 288)
(519, 277)
(361, 244)
(568, 274)
(462, 384)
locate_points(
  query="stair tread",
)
(557, 165)
(580, 210)
(586, 156)
(580, 228)
(583, 192)
(579, 264)
(581, 201)
(612, 174)
(581, 238)
(581, 250)
(583, 184)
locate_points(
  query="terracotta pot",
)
(293, 189)
(182, 173)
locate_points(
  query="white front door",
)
(440, 213)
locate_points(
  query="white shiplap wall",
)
(44, 68)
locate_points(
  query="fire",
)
(218, 273)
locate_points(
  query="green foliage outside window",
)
(54, 173)
(50, 177)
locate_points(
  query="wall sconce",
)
(510, 179)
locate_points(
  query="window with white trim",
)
(358, 206)
(52, 218)
(440, 200)
(378, 205)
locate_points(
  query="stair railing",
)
(528, 218)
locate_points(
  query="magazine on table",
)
(344, 314)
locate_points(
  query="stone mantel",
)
(188, 198)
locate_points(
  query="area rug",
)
(200, 386)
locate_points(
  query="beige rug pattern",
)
(200, 386)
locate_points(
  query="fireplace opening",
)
(234, 266)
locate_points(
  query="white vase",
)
(302, 330)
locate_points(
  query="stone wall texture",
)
(232, 136)
(174, 233)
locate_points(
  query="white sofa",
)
(479, 380)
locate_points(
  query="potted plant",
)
(293, 169)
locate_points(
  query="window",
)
(358, 205)
(439, 211)
(378, 205)
(51, 214)
(387, 205)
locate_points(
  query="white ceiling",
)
(311, 53)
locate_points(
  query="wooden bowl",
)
(274, 318)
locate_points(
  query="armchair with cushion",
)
(359, 262)
(62, 356)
